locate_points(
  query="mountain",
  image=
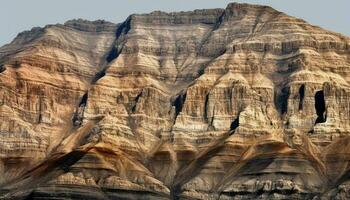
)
(244, 102)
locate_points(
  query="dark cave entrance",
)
(320, 107)
(234, 124)
(301, 96)
(178, 103)
(281, 100)
(83, 100)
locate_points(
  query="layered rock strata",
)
(238, 103)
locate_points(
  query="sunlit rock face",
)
(238, 103)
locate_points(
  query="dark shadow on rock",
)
(301, 96)
(320, 107)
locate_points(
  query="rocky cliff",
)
(238, 103)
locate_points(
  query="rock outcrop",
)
(238, 103)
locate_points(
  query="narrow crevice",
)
(78, 115)
(301, 96)
(203, 48)
(234, 124)
(123, 29)
(174, 191)
(219, 21)
(206, 105)
(40, 110)
(98, 76)
(41, 107)
(211, 126)
(113, 54)
(320, 107)
(179, 103)
(137, 98)
(201, 71)
(206, 37)
(116, 48)
(83, 100)
(257, 21)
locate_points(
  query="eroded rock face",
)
(238, 103)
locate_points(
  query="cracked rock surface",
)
(244, 102)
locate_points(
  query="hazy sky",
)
(20, 15)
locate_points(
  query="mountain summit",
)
(238, 103)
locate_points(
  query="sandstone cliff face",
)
(237, 103)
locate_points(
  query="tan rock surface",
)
(238, 103)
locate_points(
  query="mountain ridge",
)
(236, 103)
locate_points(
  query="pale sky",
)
(19, 15)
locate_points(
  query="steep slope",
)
(237, 103)
(45, 72)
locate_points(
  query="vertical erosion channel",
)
(301, 96)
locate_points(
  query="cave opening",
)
(281, 100)
(320, 107)
(178, 103)
(83, 100)
(234, 124)
(301, 96)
